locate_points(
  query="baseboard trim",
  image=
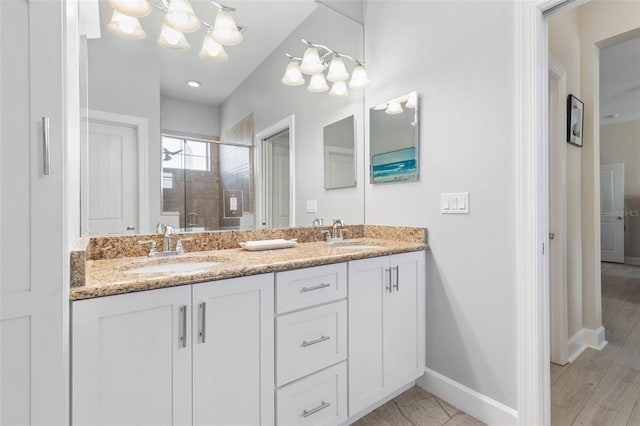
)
(632, 260)
(586, 338)
(468, 400)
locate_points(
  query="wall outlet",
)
(454, 203)
(312, 206)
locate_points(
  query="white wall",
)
(189, 117)
(264, 95)
(460, 57)
(564, 46)
(620, 143)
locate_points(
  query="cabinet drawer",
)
(320, 399)
(310, 340)
(302, 288)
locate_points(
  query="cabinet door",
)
(404, 320)
(233, 352)
(368, 279)
(33, 372)
(131, 359)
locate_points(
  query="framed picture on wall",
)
(575, 119)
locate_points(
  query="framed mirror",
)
(174, 133)
(340, 154)
(394, 136)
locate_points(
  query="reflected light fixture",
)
(292, 75)
(193, 83)
(179, 19)
(132, 8)
(225, 30)
(212, 50)
(172, 39)
(317, 60)
(126, 26)
(412, 100)
(180, 16)
(318, 84)
(394, 107)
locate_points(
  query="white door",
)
(33, 250)
(368, 280)
(131, 359)
(612, 212)
(404, 321)
(233, 352)
(338, 167)
(112, 179)
(279, 186)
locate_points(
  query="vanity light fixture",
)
(179, 19)
(317, 60)
(394, 106)
(193, 83)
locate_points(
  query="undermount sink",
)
(178, 268)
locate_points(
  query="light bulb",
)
(225, 30)
(337, 70)
(311, 63)
(172, 39)
(212, 50)
(132, 8)
(292, 75)
(180, 17)
(126, 26)
(339, 90)
(359, 78)
(318, 84)
(394, 108)
(412, 100)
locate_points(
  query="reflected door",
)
(112, 179)
(612, 212)
(277, 181)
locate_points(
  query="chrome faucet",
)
(168, 231)
(337, 231)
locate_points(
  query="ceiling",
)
(267, 24)
(620, 82)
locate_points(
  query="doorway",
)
(275, 175)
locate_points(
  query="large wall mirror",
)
(203, 144)
(394, 134)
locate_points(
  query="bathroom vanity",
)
(315, 334)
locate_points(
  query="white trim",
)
(559, 350)
(474, 403)
(632, 260)
(284, 124)
(586, 338)
(142, 128)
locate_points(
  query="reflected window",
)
(183, 153)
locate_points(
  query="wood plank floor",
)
(603, 387)
(417, 407)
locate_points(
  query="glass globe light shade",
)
(172, 39)
(318, 84)
(132, 8)
(394, 108)
(339, 90)
(359, 78)
(225, 30)
(337, 70)
(311, 63)
(212, 50)
(180, 16)
(412, 100)
(292, 75)
(126, 26)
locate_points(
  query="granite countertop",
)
(107, 277)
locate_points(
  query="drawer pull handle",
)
(313, 342)
(320, 407)
(183, 332)
(316, 287)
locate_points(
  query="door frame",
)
(141, 125)
(559, 350)
(287, 123)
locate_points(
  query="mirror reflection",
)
(393, 139)
(203, 140)
(339, 154)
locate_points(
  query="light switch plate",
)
(312, 206)
(454, 203)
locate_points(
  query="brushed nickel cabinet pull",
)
(203, 321)
(397, 284)
(46, 140)
(316, 287)
(183, 330)
(388, 286)
(313, 342)
(322, 406)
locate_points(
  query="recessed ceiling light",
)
(193, 83)
(612, 116)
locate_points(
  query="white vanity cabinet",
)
(132, 356)
(386, 326)
(233, 352)
(131, 359)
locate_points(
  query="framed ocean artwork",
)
(394, 166)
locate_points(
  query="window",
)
(183, 153)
